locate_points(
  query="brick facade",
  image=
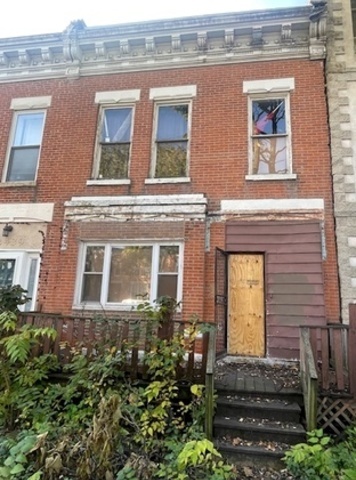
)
(217, 170)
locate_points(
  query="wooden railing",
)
(131, 336)
(309, 378)
(209, 385)
(328, 362)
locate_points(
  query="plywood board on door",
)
(246, 305)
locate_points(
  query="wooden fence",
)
(130, 336)
(328, 373)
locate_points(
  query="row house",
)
(186, 157)
(341, 83)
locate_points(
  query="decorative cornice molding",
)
(297, 32)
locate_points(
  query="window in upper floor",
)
(25, 139)
(114, 143)
(25, 145)
(124, 275)
(171, 133)
(114, 136)
(270, 155)
(269, 137)
(171, 141)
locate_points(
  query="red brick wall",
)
(218, 161)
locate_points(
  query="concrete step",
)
(253, 455)
(259, 430)
(237, 406)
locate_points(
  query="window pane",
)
(171, 159)
(130, 275)
(94, 260)
(168, 259)
(22, 164)
(28, 129)
(7, 269)
(114, 161)
(268, 117)
(91, 287)
(167, 286)
(269, 155)
(92, 278)
(172, 123)
(116, 125)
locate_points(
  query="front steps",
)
(257, 419)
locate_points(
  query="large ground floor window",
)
(125, 275)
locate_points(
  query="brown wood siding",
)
(293, 274)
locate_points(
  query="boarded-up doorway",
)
(246, 305)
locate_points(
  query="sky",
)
(28, 17)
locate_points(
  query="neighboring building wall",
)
(341, 87)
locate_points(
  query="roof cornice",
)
(173, 43)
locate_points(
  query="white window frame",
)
(23, 261)
(178, 179)
(97, 153)
(275, 88)
(16, 115)
(288, 135)
(108, 246)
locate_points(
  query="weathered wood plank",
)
(325, 358)
(338, 358)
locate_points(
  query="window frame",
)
(22, 272)
(108, 246)
(14, 124)
(98, 143)
(288, 135)
(167, 103)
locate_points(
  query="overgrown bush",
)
(97, 425)
(323, 459)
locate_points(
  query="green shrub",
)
(322, 459)
(98, 425)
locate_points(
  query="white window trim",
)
(173, 93)
(95, 180)
(154, 181)
(17, 113)
(272, 176)
(183, 101)
(22, 270)
(117, 96)
(102, 305)
(29, 103)
(274, 85)
(106, 181)
(280, 176)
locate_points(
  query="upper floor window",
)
(25, 145)
(171, 133)
(114, 143)
(269, 137)
(270, 152)
(171, 143)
